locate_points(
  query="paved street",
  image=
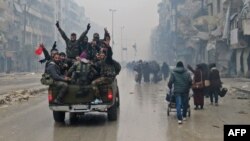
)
(20, 81)
(142, 117)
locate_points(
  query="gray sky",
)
(138, 17)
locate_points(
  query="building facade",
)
(24, 24)
(206, 31)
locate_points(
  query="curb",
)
(20, 95)
(39, 90)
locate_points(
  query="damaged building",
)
(204, 31)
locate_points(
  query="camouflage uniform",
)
(64, 66)
(59, 82)
(84, 74)
(107, 72)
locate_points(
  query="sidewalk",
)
(20, 95)
(17, 74)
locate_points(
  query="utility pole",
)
(112, 11)
(174, 21)
(135, 49)
(24, 25)
(122, 43)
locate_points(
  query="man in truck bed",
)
(84, 73)
(60, 81)
(107, 68)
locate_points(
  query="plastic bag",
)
(223, 92)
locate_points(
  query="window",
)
(218, 6)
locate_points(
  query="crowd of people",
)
(205, 82)
(144, 69)
(84, 63)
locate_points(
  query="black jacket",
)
(215, 78)
(54, 71)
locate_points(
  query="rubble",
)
(19, 96)
(242, 112)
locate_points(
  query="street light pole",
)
(122, 43)
(24, 25)
(26, 5)
(112, 11)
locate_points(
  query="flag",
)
(39, 53)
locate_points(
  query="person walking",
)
(165, 70)
(180, 80)
(198, 86)
(138, 68)
(215, 85)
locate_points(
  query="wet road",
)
(142, 117)
(16, 82)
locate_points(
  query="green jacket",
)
(84, 72)
(108, 70)
(181, 80)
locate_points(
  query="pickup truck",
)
(80, 100)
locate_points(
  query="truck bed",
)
(84, 94)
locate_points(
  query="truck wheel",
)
(59, 116)
(118, 98)
(112, 112)
(189, 113)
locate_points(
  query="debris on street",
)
(19, 96)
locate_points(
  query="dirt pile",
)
(19, 96)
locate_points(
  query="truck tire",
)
(112, 112)
(59, 116)
(118, 98)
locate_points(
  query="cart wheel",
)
(168, 110)
(189, 112)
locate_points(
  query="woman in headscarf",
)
(199, 90)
